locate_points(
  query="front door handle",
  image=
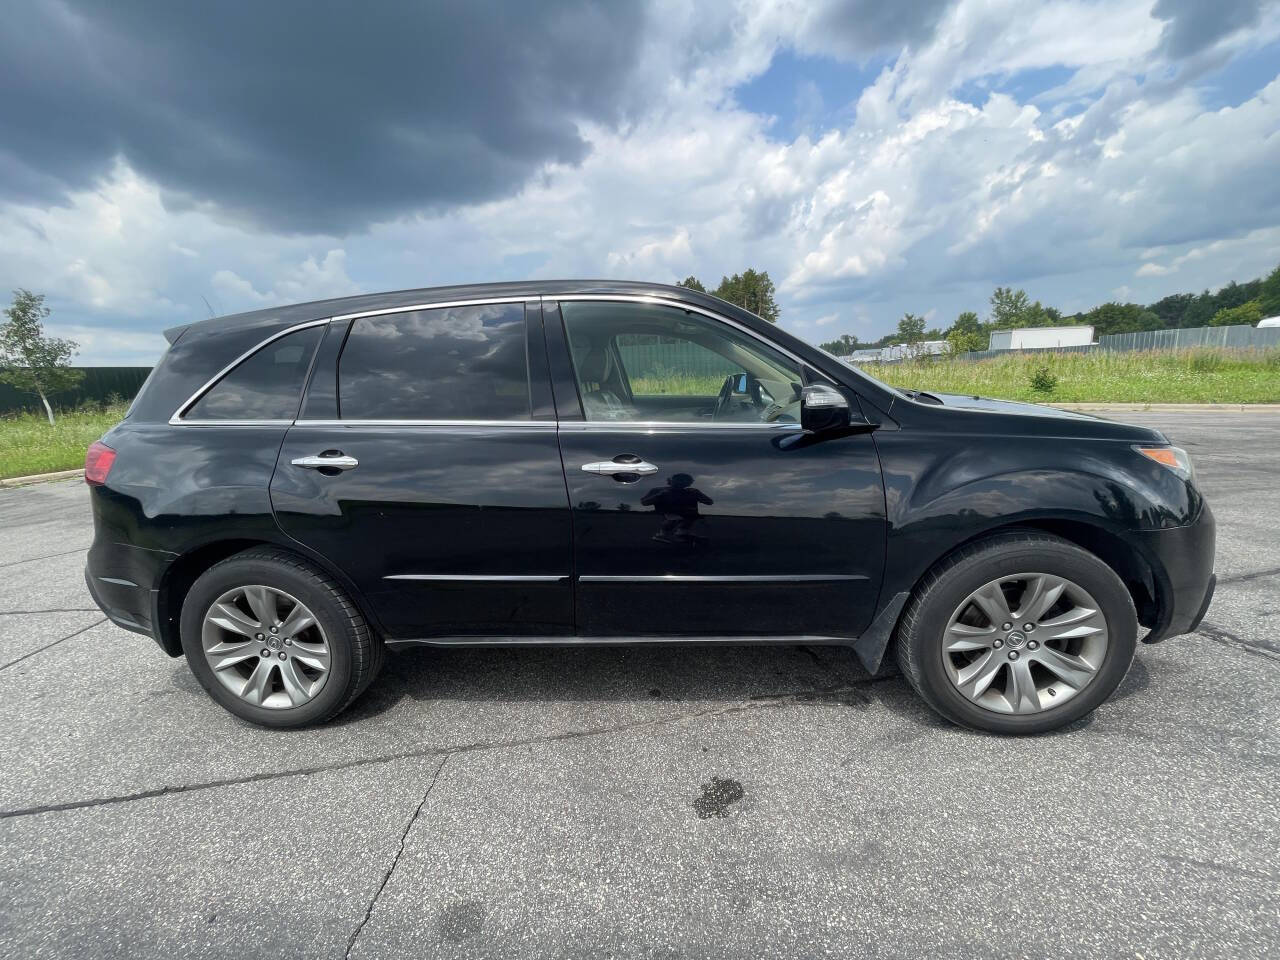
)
(332, 462)
(623, 464)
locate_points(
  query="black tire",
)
(356, 653)
(920, 635)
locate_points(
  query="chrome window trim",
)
(178, 417)
(441, 305)
(484, 578)
(644, 426)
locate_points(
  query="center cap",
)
(1016, 639)
(274, 642)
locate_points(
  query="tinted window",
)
(267, 386)
(657, 363)
(453, 363)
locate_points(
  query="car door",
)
(425, 466)
(699, 507)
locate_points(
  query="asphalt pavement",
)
(640, 802)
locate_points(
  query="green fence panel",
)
(99, 385)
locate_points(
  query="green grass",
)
(29, 445)
(1183, 376)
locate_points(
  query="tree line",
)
(1236, 303)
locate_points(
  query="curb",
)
(1172, 407)
(41, 478)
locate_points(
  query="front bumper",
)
(1181, 559)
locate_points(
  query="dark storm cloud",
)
(861, 27)
(1194, 25)
(307, 116)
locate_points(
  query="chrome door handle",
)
(339, 462)
(636, 466)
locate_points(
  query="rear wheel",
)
(275, 641)
(1019, 633)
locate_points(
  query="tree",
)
(966, 334)
(845, 345)
(33, 362)
(750, 290)
(1013, 308)
(910, 329)
(1114, 317)
(692, 283)
(1249, 313)
(1269, 295)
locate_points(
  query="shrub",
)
(1043, 380)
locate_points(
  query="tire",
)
(334, 657)
(929, 634)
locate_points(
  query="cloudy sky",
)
(162, 160)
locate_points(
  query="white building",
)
(1029, 338)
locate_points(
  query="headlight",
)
(1175, 458)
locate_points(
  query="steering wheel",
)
(726, 393)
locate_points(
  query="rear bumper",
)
(123, 582)
(1182, 563)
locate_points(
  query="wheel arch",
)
(183, 572)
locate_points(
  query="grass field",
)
(29, 445)
(1183, 376)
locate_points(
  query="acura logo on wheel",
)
(1016, 638)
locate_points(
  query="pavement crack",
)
(844, 693)
(1257, 648)
(395, 861)
(14, 613)
(47, 556)
(1245, 577)
(26, 656)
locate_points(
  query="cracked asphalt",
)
(643, 802)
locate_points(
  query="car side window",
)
(645, 362)
(265, 386)
(448, 363)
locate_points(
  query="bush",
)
(1043, 380)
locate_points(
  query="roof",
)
(290, 314)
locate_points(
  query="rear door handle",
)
(322, 462)
(623, 464)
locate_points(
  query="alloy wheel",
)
(266, 647)
(1024, 643)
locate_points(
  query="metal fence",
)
(1235, 337)
(100, 384)
(680, 358)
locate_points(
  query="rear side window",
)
(451, 363)
(266, 386)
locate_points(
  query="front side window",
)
(642, 362)
(266, 386)
(450, 363)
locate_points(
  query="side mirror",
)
(823, 408)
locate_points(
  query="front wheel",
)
(1020, 633)
(275, 641)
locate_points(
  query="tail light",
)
(97, 463)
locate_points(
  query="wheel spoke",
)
(314, 655)
(990, 600)
(974, 679)
(258, 685)
(1074, 670)
(223, 655)
(1021, 690)
(298, 620)
(230, 617)
(962, 637)
(297, 686)
(1041, 594)
(1080, 622)
(262, 601)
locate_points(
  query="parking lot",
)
(753, 801)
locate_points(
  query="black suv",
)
(598, 462)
